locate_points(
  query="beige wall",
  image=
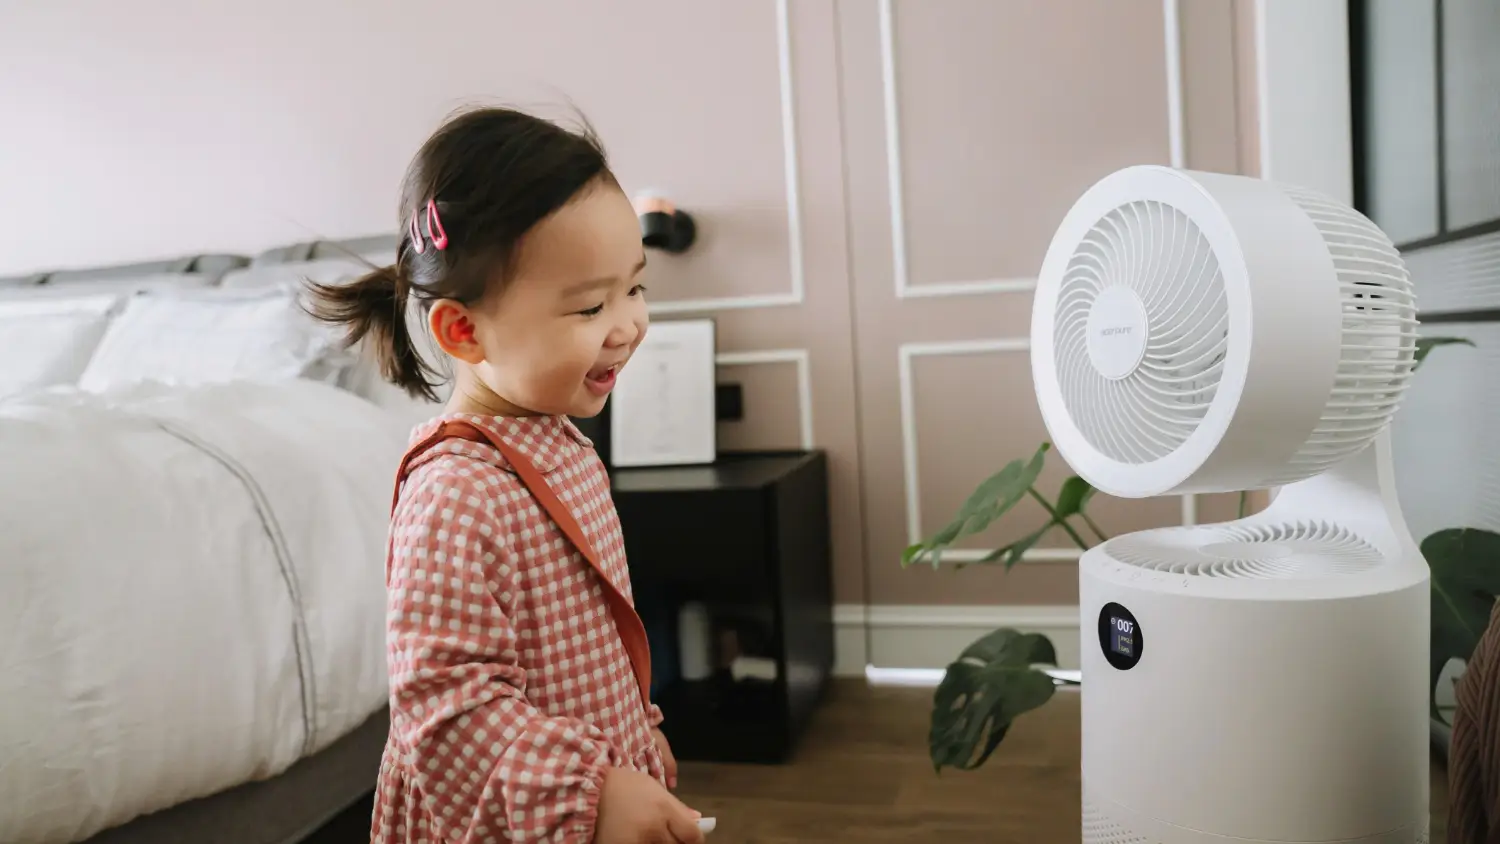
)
(1004, 113)
(885, 326)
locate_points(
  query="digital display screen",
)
(1122, 636)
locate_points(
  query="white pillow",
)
(363, 377)
(193, 337)
(48, 342)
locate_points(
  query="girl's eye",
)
(637, 290)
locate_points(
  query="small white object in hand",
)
(707, 824)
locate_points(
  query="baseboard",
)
(930, 636)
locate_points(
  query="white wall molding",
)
(911, 474)
(799, 358)
(789, 145)
(900, 265)
(1176, 126)
(1302, 69)
(931, 636)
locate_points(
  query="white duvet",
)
(191, 593)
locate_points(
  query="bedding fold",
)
(191, 592)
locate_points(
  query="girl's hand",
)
(669, 762)
(635, 809)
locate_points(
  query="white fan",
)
(1264, 679)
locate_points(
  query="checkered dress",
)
(511, 691)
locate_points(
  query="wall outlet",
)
(729, 402)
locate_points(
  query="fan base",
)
(1287, 710)
(1105, 822)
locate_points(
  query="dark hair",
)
(493, 174)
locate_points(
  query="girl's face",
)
(554, 340)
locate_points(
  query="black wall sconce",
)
(662, 225)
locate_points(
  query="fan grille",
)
(1157, 252)
(1100, 828)
(1377, 339)
(1287, 551)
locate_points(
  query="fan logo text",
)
(1111, 332)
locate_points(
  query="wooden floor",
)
(862, 775)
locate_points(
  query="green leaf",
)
(1071, 500)
(1427, 344)
(911, 553)
(1465, 567)
(990, 500)
(1011, 647)
(991, 683)
(1012, 553)
(1074, 496)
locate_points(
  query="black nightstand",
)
(748, 537)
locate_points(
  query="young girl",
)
(518, 668)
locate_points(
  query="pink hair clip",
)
(435, 230)
(435, 227)
(417, 244)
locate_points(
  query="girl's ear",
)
(452, 326)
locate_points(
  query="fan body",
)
(1263, 680)
(1266, 679)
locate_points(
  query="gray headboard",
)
(362, 246)
(22, 280)
(211, 267)
(289, 254)
(380, 245)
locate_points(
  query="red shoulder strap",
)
(627, 621)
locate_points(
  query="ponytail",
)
(494, 173)
(372, 309)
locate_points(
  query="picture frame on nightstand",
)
(662, 410)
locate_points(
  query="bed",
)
(192, 646)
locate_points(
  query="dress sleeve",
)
(488, 764)
(654, 716)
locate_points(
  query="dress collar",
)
(546, 440)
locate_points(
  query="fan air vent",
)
(1098, 828)
(1153, 256)
(1290, 551)
(1378, 339)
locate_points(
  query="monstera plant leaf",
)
(1465, 564)
(1073, 496)
(1427, 344)
(1071, 500)
(983, 691)
(1011, 554)
(991, 500)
